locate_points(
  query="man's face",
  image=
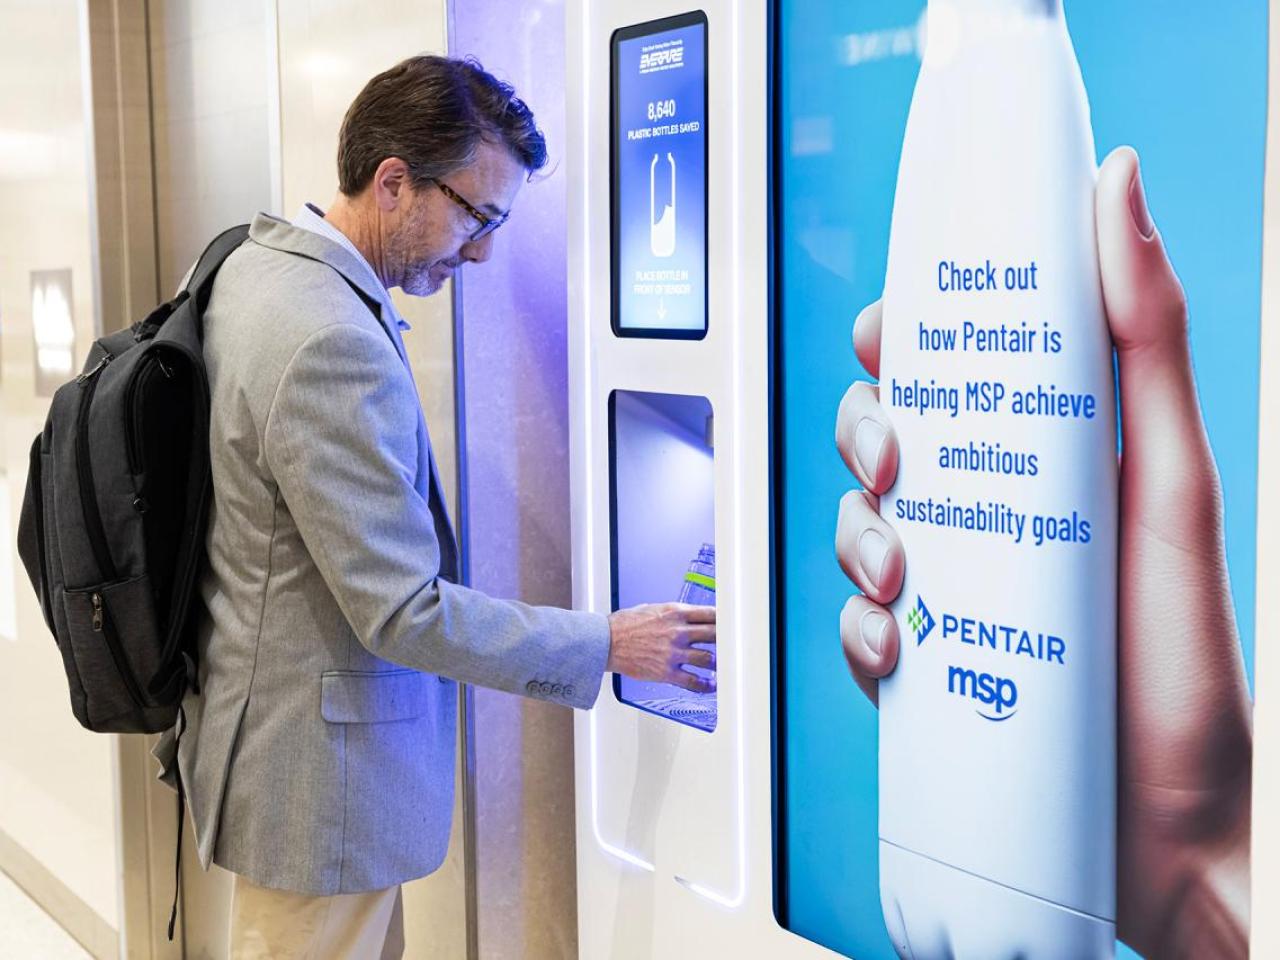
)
(432, 238)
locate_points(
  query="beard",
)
(420, 276)
(421, 280)
(424, 279)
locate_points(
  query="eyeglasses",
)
(487, 224)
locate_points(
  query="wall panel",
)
(57, 790)
(512, 317)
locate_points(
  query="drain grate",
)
(695, 711)
(698, 713)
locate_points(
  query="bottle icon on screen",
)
(662, 231)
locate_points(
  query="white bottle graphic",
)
(997, 729)
(662, 231)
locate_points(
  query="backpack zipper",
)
(132, 454)
(95, 369)
(36, 478)
(133, 422)
(84, 470)
(100, 625)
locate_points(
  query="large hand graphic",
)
(1185, 717)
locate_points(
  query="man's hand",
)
(1184, 713)
(654, 641)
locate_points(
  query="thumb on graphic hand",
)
(1180, 666)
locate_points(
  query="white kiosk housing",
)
(674, 821)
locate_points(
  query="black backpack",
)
(113, 521)
(117, 500)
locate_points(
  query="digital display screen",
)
(845, 78)
(659, 178)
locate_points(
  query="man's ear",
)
(390, 184)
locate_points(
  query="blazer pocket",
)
(348, 696)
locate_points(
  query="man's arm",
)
(341, 441)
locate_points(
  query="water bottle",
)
(998, 727)
(699, 585)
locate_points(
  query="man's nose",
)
(477, 251)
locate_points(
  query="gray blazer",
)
(318, 755)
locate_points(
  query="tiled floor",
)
(26, 931)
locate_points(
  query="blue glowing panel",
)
(1182, 82)
(659, 182)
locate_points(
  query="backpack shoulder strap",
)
(198, 285)
(221, 247)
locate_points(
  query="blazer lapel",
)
(281, 235)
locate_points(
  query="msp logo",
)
(920, 621)
(998, 692)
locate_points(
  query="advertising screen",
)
(1016, 420)
(659, 178)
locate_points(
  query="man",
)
(318, 754)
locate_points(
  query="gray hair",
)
(433, 112)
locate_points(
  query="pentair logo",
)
(920, 621)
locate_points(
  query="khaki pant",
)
(278, 925)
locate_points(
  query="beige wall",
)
(57, 796)
(214, 99)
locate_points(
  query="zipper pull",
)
(95, 369)
(97, 612)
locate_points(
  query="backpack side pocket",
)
(32, 547)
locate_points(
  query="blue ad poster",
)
(1016, 383)
(659, 182)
